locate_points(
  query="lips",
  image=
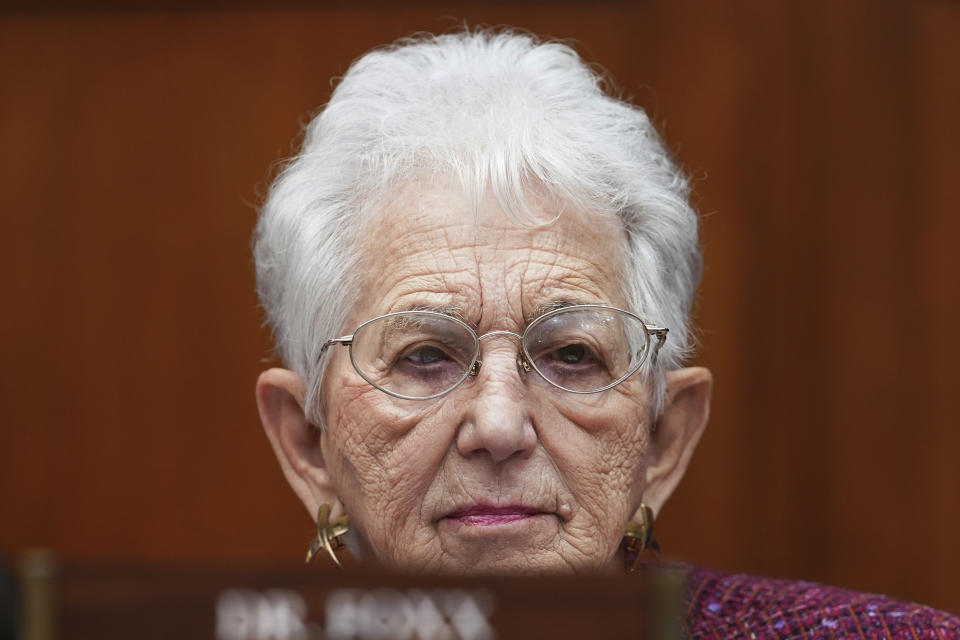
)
(489, 516)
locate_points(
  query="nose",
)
(497, 420)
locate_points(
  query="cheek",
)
(381, 465)
(599, 446)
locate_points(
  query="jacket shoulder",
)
(723, 605)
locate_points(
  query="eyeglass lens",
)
(420, 354)
(415, 354)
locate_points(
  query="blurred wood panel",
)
(822, 137)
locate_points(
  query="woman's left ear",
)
(677, 432)
(296, 442)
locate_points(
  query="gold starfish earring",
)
(329, 534)
(640, 549)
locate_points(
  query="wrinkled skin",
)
(399, 467)
(504, 438)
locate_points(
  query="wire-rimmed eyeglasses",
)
(419, 355)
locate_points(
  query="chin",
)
(503, 560)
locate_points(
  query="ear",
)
(677, 432)
(296, 441)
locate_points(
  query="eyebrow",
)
(395, 326)
(456, 311)
(553, 305)
(453, 310)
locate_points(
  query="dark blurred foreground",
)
(50, 600)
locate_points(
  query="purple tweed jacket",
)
(723, 606)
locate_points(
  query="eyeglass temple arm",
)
(660, 333)
(345, 341)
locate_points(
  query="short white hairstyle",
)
(502, 113)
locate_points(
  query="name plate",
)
(80, 601)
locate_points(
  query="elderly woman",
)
(479, 271)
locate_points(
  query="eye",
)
(572, 354)
(425, 355)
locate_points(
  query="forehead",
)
(428, 247)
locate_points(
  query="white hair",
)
(502, 113)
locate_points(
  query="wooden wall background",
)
(823, 136)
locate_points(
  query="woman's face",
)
(505, 473)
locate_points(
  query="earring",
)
(640, 549)
(329, 534)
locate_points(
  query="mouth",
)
(492, 516)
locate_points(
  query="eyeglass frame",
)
(523, 357)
